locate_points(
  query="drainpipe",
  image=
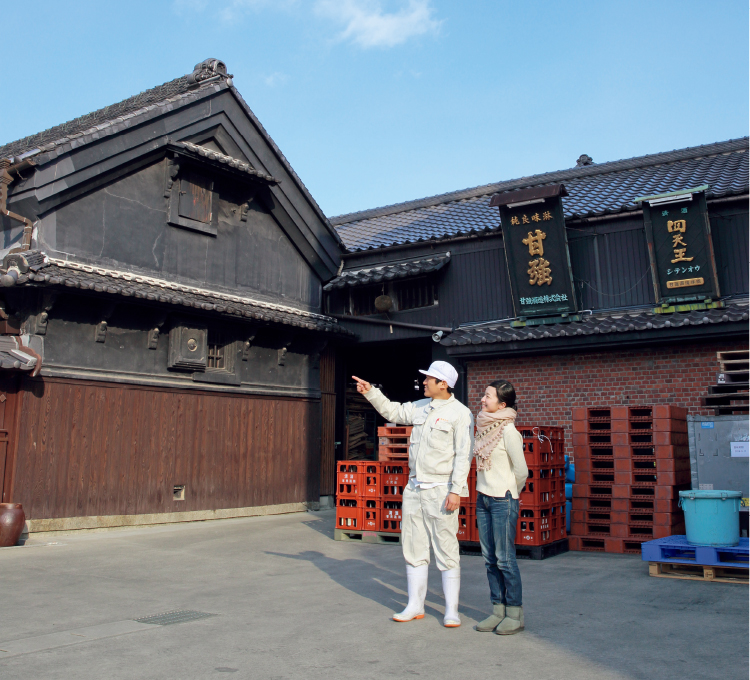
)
(5, 180)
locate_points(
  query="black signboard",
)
(536, 250)
(680, 248)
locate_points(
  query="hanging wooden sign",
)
(683, 266)
(536, 250)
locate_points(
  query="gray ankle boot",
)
(512, 623)
(492, 621)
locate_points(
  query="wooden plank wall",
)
(328, 432)
(88, 448)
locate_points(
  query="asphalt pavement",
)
(276, 597)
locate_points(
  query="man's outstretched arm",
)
(392, 411)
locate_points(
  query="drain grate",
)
(168, 618)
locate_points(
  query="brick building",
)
(442, 263)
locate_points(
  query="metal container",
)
(719, 454)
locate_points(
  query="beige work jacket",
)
(442, 440)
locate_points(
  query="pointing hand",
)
(363, 387)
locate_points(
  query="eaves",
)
(620, 341)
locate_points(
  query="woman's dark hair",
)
(505, 392)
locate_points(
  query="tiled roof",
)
(83, 124)
(14, 355)
(128, 284)
(204, 79)
(389, 272)
(595, 324)
(599, 189)
(234, 163)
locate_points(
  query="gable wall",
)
(124, 225)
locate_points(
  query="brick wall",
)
(548, 387)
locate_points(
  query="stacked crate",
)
(631, 463)
(541, 517)
(369, 495)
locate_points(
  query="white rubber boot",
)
(451, 588)
(416, 579)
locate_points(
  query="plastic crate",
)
(348, 484)
(543, 491)
(393, 479)
(372, 514)
(466, 519)
(349, 513)
(391, 516)
(538, 526)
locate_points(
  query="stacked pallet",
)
(393, 443)
(729, 396)
(631, 463)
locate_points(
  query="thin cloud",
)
(275, 78)
(368, 25)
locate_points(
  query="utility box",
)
(719, 448)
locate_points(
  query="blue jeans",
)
(497, 519)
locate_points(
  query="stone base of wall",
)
(549, 387)
(68, 524)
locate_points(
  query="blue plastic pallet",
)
(677, 550)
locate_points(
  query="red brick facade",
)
(548, 387)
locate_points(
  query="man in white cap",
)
(440, 452)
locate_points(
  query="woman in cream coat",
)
(501, 474)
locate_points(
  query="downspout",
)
(5, 181)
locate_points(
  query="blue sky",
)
(381, 101)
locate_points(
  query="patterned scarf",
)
(490, 428)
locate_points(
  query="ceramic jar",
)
(12, 519)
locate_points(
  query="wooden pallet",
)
(381, 537)
(698, 572)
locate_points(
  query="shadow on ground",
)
(384, 586)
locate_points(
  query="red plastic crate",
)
(348, 484)
(393, 479)
(370, 479)
(539, 526)
(391, 516)
(543, 491)
(372, 514)
(349, 513)
(466, 520)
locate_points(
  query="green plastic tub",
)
(712, 517)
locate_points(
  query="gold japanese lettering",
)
(677, 240)
(677, 225)
(536, 247)
(525, 219)
(679, 254)
(535, 217)
(539, 272)
(515, 220)
(546, 215)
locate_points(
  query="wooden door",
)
(8, 395)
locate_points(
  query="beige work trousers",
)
(425, 521)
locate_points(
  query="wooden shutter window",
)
(195, 198)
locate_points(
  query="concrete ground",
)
(289, 602)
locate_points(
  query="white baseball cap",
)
(442, 370)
